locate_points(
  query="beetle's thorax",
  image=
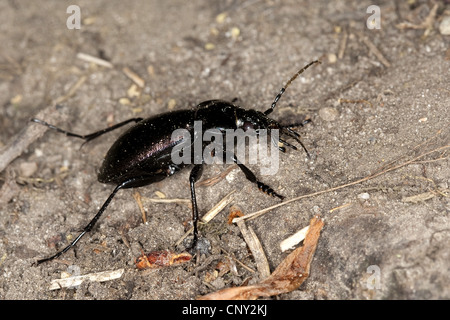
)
(225, 115)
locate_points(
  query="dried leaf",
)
(234, 213)
(288, 276)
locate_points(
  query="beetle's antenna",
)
(274, 103)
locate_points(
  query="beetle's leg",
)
(196, 173)
(291, 133)
(251, 176)
(87, 137)
(92, 222)
(284, 142)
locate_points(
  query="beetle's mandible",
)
(142, 154)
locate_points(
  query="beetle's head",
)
(254, 120)
(249, 120)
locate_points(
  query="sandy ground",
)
(379, 95)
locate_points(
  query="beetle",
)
(142, 154)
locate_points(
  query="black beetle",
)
(142, 154)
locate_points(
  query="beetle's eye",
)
(247, 125)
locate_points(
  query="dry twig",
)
(27, 136)
(31, 133)
(377, 53)
(426, 24)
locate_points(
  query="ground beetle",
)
(142, 154)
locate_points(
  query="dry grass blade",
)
(137, 197)
(134, 77)
(91, 59)
(212, 181)
(377, 53)
(391, 166)
(71, 91)
(159, 200)
(211, 213)
(255, 247)
(288, 276)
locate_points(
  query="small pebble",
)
(332, 58)
(235, 32)
(364, 196)
(124, 101)
(220, 18)
(209, 46)
(133, 91)
(444, 27)
(171, 104)
(27, 169)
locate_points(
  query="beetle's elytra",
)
(142, 154)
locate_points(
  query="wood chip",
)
(74, 281)
(95, 60)
(133, 91)
(294, 240)
(134, 77)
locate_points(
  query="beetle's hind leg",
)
(94, 220)
(87, 137)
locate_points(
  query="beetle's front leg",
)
(196, 173)
(251, 176)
